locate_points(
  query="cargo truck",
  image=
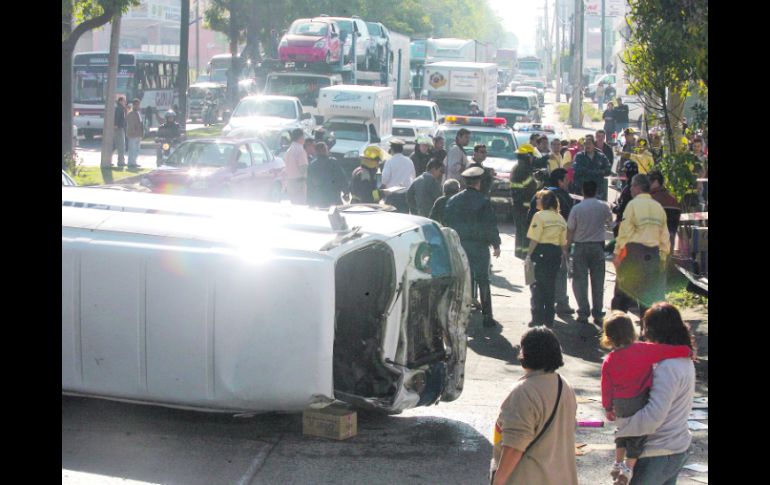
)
(357, 116)
(453, 85)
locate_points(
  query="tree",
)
(108, 133)
(89, 14)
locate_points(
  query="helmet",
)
(170, 113)
(373, 152)
(424, 140)
(474, 104)
(526, 149)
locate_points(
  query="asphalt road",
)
(113, 442)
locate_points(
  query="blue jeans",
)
(133, 150)
(658, 470)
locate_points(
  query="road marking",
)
(256, 464)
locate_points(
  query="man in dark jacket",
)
(479, 155)
(325, 179)
(472, 216)
(557, 183)
(451, 187)
(591, 164)
(421, 155)
(120, 130)
(438, 152)
(620, 115)
(425, 189)
(523, 188)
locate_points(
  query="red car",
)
(311, 40)
(244, 169)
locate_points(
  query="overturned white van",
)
(242, 306)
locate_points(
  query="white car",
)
(265, 111)
(239, 306)
(412, 119)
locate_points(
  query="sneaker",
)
(616, 470)
(623, 476)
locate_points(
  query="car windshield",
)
(306, 88)
(412, 112)
(512, 102)
(280, 108)
(374, 29)
(453, 106)
(347, 131)
(499, 144)
(313, 29)
(201, 154)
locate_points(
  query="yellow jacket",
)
(644, 222)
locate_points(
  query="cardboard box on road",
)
(335, 421)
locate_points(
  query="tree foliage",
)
(667, 56)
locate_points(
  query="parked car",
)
(534, 90)
(609, 86)
(219, 167)
(311, 40)
(241, 306)
(412, 119)
(366, 50)
(380, 37)
(196, 95)
(517, 107)
(270, 111)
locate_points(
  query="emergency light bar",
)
(475, 120)
(534, 127)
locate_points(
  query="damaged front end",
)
(400, 326)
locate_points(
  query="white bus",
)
(150, 77)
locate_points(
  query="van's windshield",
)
(347, 131)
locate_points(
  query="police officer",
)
(523, 189)
(640, 253)
(472, 216)
(363, 184)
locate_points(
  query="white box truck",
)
(357, 116)
(453, 85)
(458, 50)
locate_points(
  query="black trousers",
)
(547, 259)
(520, 220)
(478, 259)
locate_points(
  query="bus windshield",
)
(90, 84)
(306, 88)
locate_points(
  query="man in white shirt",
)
(398, 172)
(456, 160)
(295, 161)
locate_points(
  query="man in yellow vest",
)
(640, 252)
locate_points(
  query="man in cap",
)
(421, 155)
(456, 160)
(473, 109)
(472, 216)
(523, 188)
(398, 174)
(425, 189)
(363, 184)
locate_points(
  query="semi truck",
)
(357, 116)
(462, 50)
(453, 85)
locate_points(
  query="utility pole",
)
(547, 45)
(557, 22)
(182, 74)
(603, 22)
(576, 110)
(197, 41)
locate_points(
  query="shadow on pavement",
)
(490, 342)
(579, 340)
(501, 282)
(159, 445)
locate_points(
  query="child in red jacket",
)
(626, 381)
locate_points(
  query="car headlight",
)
(321, 43)
(352, 154)
(200, 184)
(422, 258)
